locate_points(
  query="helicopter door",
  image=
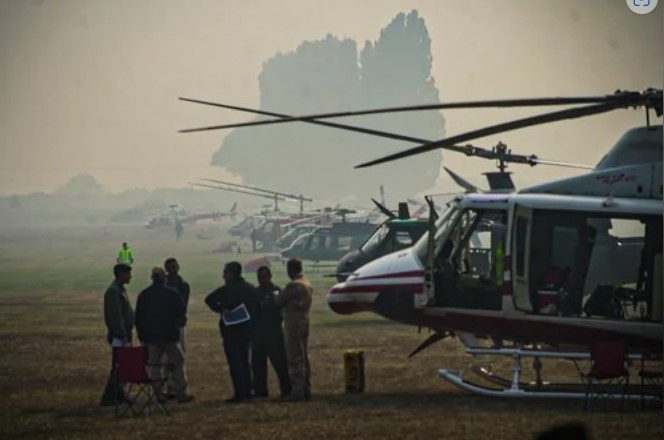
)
(466, 277)
(520, 261)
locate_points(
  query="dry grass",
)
(54, 362)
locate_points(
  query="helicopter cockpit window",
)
(375, 240)
(443, 225)
(469, 271)
(316, 243)
(586, 265)
(345, 244)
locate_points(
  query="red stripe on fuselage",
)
(365, 288)
(412, 273)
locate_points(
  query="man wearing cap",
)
(125, 254)
(159, 314)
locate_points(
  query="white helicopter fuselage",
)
(399, 287)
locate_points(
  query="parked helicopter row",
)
(566, 263)
(326, 234)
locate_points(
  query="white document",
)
(238, 315)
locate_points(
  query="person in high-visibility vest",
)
(125, 254)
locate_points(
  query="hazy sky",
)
(92, 85)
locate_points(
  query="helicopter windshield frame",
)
(375, 239)
(443, 227)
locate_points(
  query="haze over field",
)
(92, 87)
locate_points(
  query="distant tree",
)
(328, 75)
(81, 184)
(396, 70)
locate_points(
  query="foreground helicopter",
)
(570, 262)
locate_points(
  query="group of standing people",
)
(256, 324)
(160, 319)
(277, 329)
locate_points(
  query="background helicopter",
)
(580, 226)
(266, 228)
(329, 243)
(397, 232)
(178, 214)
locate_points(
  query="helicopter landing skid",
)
(486, 374)
(514, 387)
(551, 391)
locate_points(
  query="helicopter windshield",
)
(443, 224)
(374, 241)
(300, 241)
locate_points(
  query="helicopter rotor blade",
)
(468, 150)
(267, 196)
(463, 183)
(383, 209)
(368, 131)
(536, 160)
(528, 102)
(651, 98)
(379, 133)
(544, 118)
(254, 188)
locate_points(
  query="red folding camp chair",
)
(131, 368)
(608, 365)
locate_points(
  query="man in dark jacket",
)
(268, 337)
(159, 314)
(175, 282)
(119, 320)
(235, 302)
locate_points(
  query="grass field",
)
(55, 359)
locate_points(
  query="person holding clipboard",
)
(235, 302)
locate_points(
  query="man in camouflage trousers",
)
(295, 301)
